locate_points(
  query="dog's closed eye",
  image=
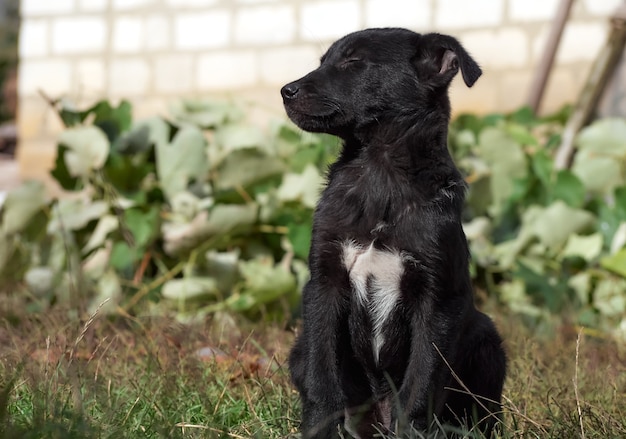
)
(347, 62)
(350, 56)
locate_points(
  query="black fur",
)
(384, 92)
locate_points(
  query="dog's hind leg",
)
(481, 367)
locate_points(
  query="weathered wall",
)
(154, 51)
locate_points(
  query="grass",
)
(155, 378)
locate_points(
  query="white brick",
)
(193, 3)
(412, 14)
(202, 30)
(458, 14)
(279, 66)
(54, 77)
(78, 35)
(602, 7)
(157, 32)
(147, 107)
(33, 39)
(93, 5)
(29, 115)
(174, 74)
(227, 70)
(503, 48)
(561, 89)
(513, 89)
(580, 42)
(481, 98)
(131, 4)
(129, 77)
(252, 2)
(36, 159)
(44, 7)
(265, 24)
(90, 77)
(532, 10)
(326, 20)
(128, 34)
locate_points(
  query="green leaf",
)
(568, 188)
(159, 131)
(191, 287)
(599, 174)
(144, 225)
(224, 268)
(181, 161)
(551, 225)
(108, 294)
(581, 283)
(619, 238)
(514, 295)
(299, 160)
(204, 114)
(547, 290)
(304, 187)
(87, 150)
(71, 117)
(300, 238)
(557, 222)
(602, 151)
(587, 247)
(609, 297)
(61, 173)
(239, 302)
(246, 167)
(238, 136)
(542, 167)
(263, 283)
(524, 116)
(506, 161)
(40, 280)
(223, 220)
(123, 257)
(521, 134)
(112, 121)
(604, 137)
(616, 262)
(21, 205)
(106, 225)
(133, 142)
(75, 214)
(127, 174)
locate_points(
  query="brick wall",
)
(154, 51)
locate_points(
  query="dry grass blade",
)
(576, 393)
(86, 327)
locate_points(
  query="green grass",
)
(143, 378)
(129, 379)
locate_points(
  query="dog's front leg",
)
(317, 355)
(421, 393)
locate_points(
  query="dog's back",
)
(389, 305)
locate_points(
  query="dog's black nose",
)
(290, 91)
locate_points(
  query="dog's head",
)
(376, 75)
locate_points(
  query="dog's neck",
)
(417, 137)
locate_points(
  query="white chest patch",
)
(375, 276)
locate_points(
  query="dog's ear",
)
(441, 57)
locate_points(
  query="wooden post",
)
(547, 60)
(601, 70)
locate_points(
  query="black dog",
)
(389, 318)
